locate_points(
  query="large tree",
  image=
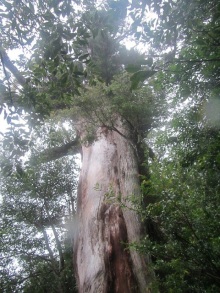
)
(77, 63)
(110, 120)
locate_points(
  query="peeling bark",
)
(103, 263)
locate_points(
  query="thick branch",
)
(13, 69)
(58, 244)
(59, 248)
(52, 154)
(46, 238)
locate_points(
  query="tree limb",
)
(57, 240)
(54, 153)
(13, 69)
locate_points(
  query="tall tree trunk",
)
(103, 263)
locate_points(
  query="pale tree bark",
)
(109, 167)
(103, 263)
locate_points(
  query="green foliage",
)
(79, 64)
(37, 203)
(44, 279)
(183, 38)
(103, 46)
(49, 62)
(185, 249)
(182, 221)
(182, 214)
(102, 105)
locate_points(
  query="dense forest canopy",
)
(145, 216)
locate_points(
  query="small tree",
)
(37, 204)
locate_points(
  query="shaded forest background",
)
(74, 64)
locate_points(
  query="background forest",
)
(64, 62)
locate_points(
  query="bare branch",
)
(13, 69)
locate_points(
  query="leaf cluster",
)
(182, 214)
(102, 105)
(37, 202)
